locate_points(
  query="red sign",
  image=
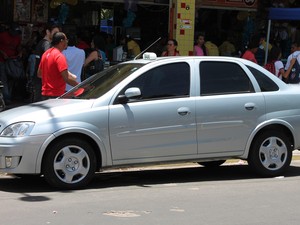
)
(228, 3)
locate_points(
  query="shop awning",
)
(284, 14)
(280, 14)
(239, 5)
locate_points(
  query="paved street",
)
(188, 194)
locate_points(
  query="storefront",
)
(215, 18)
(236, 20)
(145, 20)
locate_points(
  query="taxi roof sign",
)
(149, 56)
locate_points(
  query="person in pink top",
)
(199, 48)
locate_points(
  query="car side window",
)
(218, 78)
(166, 81)
(264, 82)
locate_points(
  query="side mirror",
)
(130, 93)
(133, 92)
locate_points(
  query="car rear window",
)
(223, 78)
(264, 82)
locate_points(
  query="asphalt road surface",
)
(184, 195)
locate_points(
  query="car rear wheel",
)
(69, 163)
(211, 164)
(270, 153)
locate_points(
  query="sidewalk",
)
(296, 155)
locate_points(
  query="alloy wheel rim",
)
(71, 164)
(273, 153)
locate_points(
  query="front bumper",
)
(20, 154)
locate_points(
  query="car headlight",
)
(18, 129)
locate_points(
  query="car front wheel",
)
(69, 163)
(270, 153)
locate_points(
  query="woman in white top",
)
(294, 53)
(274, 64)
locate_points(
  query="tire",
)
(270, 154)
(69, 164)
(212, 164)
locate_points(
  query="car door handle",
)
(249, 106)
(183, 111)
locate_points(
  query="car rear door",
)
(228, 109)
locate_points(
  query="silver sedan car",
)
(156, 110)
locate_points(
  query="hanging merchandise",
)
(55, 3)
(63, 13)
(95, 18)
(248, 30)
(128, 21)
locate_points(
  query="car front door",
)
(228, 109)
(160, 124)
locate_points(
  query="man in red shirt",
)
(53, 69)
(10, 48)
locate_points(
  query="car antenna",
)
(146, 48)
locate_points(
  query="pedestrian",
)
(292, 74)
(295, 51)
(130, 46)
(94, 57)
(10, 48)
(133, 48)
(274, 64)
(212, 48)
(53, 69)
(262, 49)
(82, 42)
(109, 46)
(200, 48)
(41, 47)
(251, 49)
(75, 58)
(171, 48)
(227, 48)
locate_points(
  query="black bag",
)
(94, 67)
(294, 76)
(14, 68)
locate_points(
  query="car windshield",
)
(100, 83)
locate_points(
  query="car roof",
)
(183, 58)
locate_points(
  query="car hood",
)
(45, 109)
